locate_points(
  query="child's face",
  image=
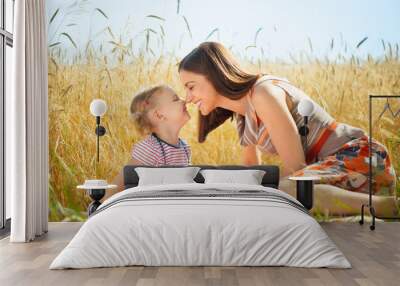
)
(170, 108)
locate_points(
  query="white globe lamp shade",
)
(98, 107)
(305, 107)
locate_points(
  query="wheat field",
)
(341, 86)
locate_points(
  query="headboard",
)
(270, 179)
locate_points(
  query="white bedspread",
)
(181, 231)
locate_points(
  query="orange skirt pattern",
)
(348, 168)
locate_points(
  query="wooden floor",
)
(374, 255)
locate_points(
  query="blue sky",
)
(286, 25)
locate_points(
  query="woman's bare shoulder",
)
(267, 92)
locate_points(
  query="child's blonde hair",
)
(141, 104)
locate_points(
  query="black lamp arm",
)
(304, 130)
(100, 131)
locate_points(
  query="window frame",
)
(6, 39)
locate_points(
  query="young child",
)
(160, 114)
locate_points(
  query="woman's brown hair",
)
(229, 79)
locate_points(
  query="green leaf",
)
(101, 12)
(150, 30)
(187, 26)
(256, 35)
(211, 33)
(162, 31)
(155, 17)
(310, 44)
(147, 40)
(111, 33)
(70, 38)
(251, 46)
(361, 42)
(54, 44)
(54, 62)
(114, 43)
(54, 15)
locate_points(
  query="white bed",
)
(251, 225)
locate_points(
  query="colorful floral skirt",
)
(348, 168)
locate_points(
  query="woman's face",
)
(199, 91)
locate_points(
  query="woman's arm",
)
(250, 156)
(119, 180)
(271, 107)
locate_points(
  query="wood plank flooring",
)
(374, 255)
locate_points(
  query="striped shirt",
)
(252, 131)
(154, 151)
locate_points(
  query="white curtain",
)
(27, 124)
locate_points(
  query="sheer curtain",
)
(27, 124)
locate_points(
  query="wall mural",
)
(184, 83)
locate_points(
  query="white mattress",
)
(183, 231)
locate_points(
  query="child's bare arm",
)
(250, 155)
(119, 180)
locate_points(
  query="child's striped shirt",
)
(154, 151)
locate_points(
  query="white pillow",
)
(250, 177)
(162, 176)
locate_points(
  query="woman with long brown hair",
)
(265, 109)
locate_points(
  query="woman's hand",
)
(271, 107)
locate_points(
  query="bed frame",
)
(270, 179)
